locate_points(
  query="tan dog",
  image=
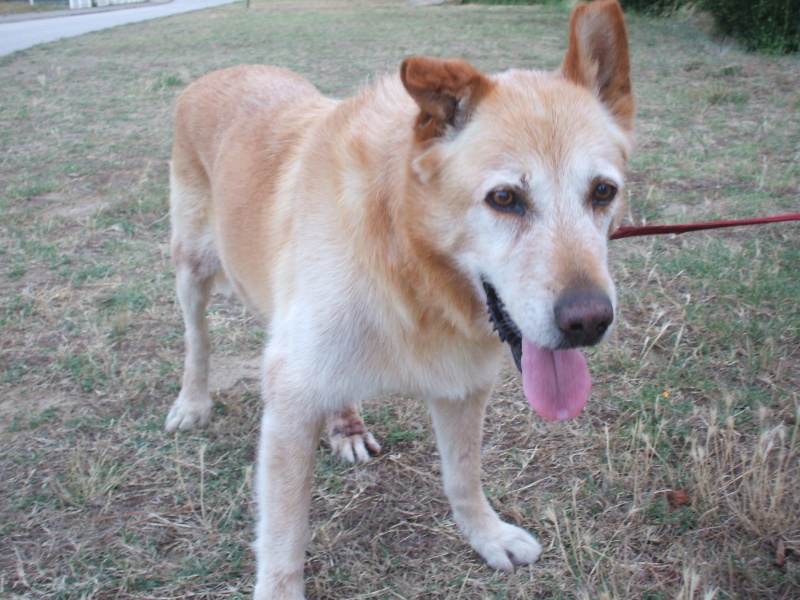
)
(371, 234)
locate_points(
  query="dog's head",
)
(526, 169)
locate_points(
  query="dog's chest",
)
(426, 363)
(453, 369)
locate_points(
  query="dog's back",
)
(239, 99)
(248, 119)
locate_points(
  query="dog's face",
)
(527, 169)
(538, 177)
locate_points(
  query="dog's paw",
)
(354, 447)
(259, 594)
(507, 546)
(280, 590)
(349, 438)
(187, 413)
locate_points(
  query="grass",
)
(21, 7)
(695, 396)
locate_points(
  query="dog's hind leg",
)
(196, 265)
(193, 405)
(349, 438)
(458, 426)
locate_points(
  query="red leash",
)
(624, 232)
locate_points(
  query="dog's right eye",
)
(505, 200)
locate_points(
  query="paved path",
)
(18, 34)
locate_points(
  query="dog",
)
(373, 235)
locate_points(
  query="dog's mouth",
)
(503, 325)
(556, 383)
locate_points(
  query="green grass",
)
(97, 501)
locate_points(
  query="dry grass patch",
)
(680, 479)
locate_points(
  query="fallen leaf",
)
(678, 498)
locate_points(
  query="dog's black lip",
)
(505, 327)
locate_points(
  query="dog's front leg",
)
(290, 431)
(459, 428)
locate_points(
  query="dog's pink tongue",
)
(556, 382)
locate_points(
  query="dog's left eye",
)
(603, 194)
(505, 200)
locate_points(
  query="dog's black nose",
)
(583, 318)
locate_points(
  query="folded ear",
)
(446, 91)
(598, 57)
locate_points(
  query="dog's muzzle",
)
(582, 320)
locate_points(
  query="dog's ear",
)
(598, 59)
(446, 91)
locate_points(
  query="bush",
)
(655, 7)
(769, 25)
(513, 2)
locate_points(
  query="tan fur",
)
(359, 231)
